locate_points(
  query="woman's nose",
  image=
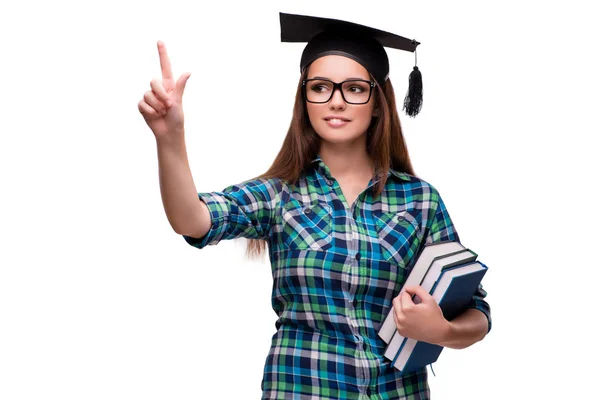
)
(337, 101)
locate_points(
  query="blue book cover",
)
(453, 292)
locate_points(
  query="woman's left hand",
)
(423, 321)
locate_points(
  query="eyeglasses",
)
(354, 91)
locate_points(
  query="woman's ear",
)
(376, 109)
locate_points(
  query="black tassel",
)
(414, 96)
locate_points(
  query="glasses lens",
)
(318, 91)
(356, 91)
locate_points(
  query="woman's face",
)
(337, 121)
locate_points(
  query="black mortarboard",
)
(363, 44)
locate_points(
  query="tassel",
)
(414, 96)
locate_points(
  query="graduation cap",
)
(363, 44)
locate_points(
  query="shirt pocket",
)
(399, 237)
(307, 227)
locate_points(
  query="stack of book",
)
(450, 273)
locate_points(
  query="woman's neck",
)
(346, 161)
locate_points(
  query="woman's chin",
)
(339, 137)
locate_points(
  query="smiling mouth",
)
(337, 120)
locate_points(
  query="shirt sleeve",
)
(247, 210)
(441, 229)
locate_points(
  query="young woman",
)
(343, 215)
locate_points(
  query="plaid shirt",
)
(335, 271)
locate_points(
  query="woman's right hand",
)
(161, 106)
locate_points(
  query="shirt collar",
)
(323, 169)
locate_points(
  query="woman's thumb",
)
(180, 85)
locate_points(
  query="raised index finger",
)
(165, 63)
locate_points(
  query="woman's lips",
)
(336, 122)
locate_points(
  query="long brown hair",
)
(385, 145)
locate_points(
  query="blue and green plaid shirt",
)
(335, 273)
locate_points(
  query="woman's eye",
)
(319, 88)
(356, 89)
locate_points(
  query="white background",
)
(100, 299)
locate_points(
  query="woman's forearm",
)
(468, 328)
(179, 196)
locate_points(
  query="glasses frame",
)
(336, 86)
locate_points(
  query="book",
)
(425, 258)
(453, 292)
(431, 276)
(451, 272)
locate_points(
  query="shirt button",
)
(354, 302)
(329, 182)
(357, 256)
(307, 210)
(368, 391)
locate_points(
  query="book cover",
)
(424, 259)
(453, 292)
(428, 279)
